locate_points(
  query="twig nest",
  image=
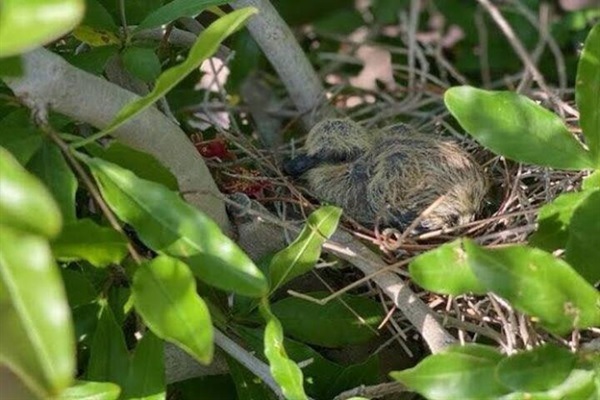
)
(390, 176)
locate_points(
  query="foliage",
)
(557, 293)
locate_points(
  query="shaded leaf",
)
(168, 224)
(164, 294)
(147, 370)
(109, 359)
(286, 372)
(248, 386)
(141, 62)
(29, 24)
(19, 136)
(537, 283)
(86, 390)
(25, 203)
(583, 246)
(94, 60)
(514, 126)
(37, 333)
(50, 166)
(85, 240)
(344, 321)
(176, 9)
(445, 270)
(98, 17)
(465, 373)
(587, 92)
(78, 288)
(302, 254)
(537, 370)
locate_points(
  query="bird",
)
(388, 177)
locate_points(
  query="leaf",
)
(29, 24)
(445, 270)
(85, 240)
(168, 224)
(592, 181)
(78, 288)
(286, 372)
(25, 203)
(109, 359)
(537, 370)
(206, 45)
(19, 136)
(164, 294)
(141, 62)
(301, 256)
(11, 67)
(49, 165)
(554, 220)
(141, 164)
(537, 283)
(458, 373)
(98, 17)
(514, 126)
(37, 334)
(86, 390)
(587, 92)
(95, 37)
(94, 60)
(248, 386)
(174, 10)
(583, 247)
(147, 370)
(332, 324)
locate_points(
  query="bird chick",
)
(390, 176)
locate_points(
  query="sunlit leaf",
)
(537, 370)
(86, 390)
(583, 246)
(37, 333)
(166, 223)
(285, 371)
(459, 373)
(587, 92)
(25, 203)
(301, 256)
(514, 126)
(95, 37)
(164, 293)
(25, 25)
(85, 240)
(539, 284)
(445, 270)
(341, 322)
(176, 9)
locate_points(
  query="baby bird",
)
(390, 176)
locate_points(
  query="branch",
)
(49, 80)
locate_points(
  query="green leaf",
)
(25, 25)
(465, 373)
(365, 373)
(241, 277)
(85, 240)
(97, 17)
(248, 386)
(141, 62)
(285, 371)
(176, 9)
(49, 165)
(141, 164)
(86, 390)
(11, 67)
(147, 370)
(587, 92)
(583, 250)
(301, 256)
(206, 45)
(37, 334)
(445, 270)
(537, 370)
(514, 126)
(592, 181)
(554, 220)
(537, 283)
(78, 287)
(94, 60)
(168, 224)
(341, 322)
(25, 203)
(19, 136)
(109, 359)
(164, 294)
